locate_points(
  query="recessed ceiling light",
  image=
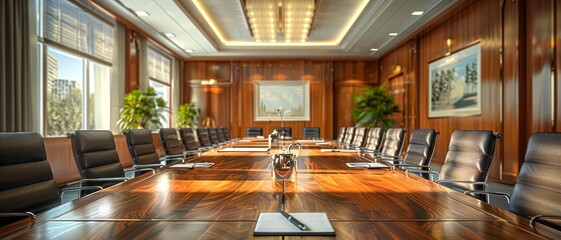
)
(142, 13)
(417, 13)
(169, 35)
(189, 50)
(373, 49)
(393, 34)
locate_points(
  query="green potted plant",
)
(374, 107)
(142, 110)
(187, 115)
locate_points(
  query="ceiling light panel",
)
(142, 13)
(280, 20)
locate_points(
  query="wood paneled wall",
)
(230, 102)
(519, 47)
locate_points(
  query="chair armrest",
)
(423, 171)
(142, 166)
(19, 214)
(145, 169)
(64, 190)
(538, 217)
(115, 179)
(427, 167)
(484, 184)
(472, 192)
(390, 158)
(171, 159)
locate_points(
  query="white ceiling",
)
(334, 33)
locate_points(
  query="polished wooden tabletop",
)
(224, 202)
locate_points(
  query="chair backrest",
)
(468, 159)
(360, 134)
(170, 141)
(221, 136)
(26, 179)
(421, 147)
(538, 188)
(213, 135)
(284, 131)
(141, 147)
(374, 139)
(310, 132)
(95, 154)
(188, 139)
(226, 134)
(341, 136)
(349, 136)
(254, 131)
(393, 142)
(204, 138)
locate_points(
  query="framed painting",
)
(289, 98)
(455, 83)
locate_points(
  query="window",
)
(159, 73)
(77, 68)
(74, 99)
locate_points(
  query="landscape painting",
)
(455, 84)
(289, 98)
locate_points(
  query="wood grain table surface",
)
(224, 202)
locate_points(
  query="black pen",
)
(293, 220)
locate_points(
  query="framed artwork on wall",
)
(289, 98)
(455, 83)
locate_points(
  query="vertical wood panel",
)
(557, 66)
(539, 58)
(132, 60)
(514, 110)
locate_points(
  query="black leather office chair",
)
(221, 136)
(467, 162)
(349, 136)
(393, 143)
(227, 134)
(341, 135)
(141, 148)
(254, 131)
(204, 138)
(189, 142)
(27, 186)
(359, 137)
(310, 132)
(172, 145)
(419, 151)
(97, 160)
(537, 191)
(213, 135)
(373, 141)
(284, 132)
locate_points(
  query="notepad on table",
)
(243, 149)
(274, 224)
(366, 165)
(192, 165)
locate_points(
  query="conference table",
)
(224, 202)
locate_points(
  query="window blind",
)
(159, 67)
(69, 25)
